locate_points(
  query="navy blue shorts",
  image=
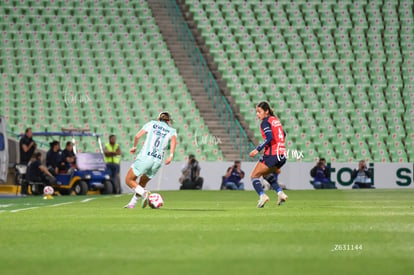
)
(273, 161)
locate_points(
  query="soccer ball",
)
(48, 190)
(155, 200)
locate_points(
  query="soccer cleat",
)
(262, 201)
(281, 198)
(129, 206)
(145, 196)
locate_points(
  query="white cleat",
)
(262, 201)
(281, 198)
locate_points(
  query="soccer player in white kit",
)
(150, 158)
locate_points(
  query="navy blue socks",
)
(258, 186)
(272, 179)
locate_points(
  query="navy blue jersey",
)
(235, 176)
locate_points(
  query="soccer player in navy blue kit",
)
(274, 155)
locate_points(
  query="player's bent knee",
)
(270, 178)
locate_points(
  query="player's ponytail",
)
(266, 107)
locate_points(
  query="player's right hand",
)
(253, 153)
(168, 160)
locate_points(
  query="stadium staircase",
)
(217, 130)
(222, 83)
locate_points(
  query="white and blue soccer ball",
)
(155, 200)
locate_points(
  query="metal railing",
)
(233, 127)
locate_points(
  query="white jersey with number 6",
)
(158, 137)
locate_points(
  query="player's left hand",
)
(168, 160)
(253, 153)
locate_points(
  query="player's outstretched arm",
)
(136, 140)
(173, 143)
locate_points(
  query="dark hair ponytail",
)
(266, 107)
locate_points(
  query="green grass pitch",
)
(211, 232)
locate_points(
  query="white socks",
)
(139, 190)
(134, 200)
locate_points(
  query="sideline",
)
(47, 205)
(36, 207)
(87, 200)
(24, 209)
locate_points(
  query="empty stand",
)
(342, 71)
(96, 64)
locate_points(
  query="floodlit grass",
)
(211, 232)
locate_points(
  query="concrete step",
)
(187, 71)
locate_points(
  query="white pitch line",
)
(23, 209)
(59, 204)
(53, 205)
(87, 200)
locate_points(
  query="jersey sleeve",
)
(267, 130)
(147, 126)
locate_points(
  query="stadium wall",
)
(295, 175)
